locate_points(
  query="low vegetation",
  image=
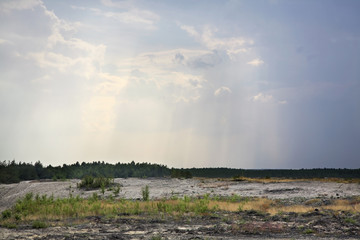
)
(43, 211)
(89, 183)
(145, 192)
(39, 224)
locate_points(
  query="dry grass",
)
(313, 201)
(258, 204)
(272, 207)
(336, 205)
(46, 209)
(344, 205)
(294, 208)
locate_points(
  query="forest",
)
(276, 173)
(14, 172)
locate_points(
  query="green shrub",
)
(201, 206)
(350, 220)
(17, 217)
(28, 197)
(137, 209)
(145, 193)
(6, 214)
(90, 182)
(102, 188)
(10, 225)
(39, 224)
(309, 231)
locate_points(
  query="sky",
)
(240, 84)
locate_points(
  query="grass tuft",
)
(309, 231)
(39, 224)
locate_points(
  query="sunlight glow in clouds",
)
(256, 62)
(186, 84)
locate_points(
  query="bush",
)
(6, 214)
(145, 193)
(17, 217)
(90, 182)
(28, 197)
(39, 224)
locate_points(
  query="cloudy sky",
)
(243, 84)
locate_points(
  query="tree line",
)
(276, 173)
(13, 172)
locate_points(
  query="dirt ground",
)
(240, 225)
(168, 187)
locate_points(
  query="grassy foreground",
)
(43, 211)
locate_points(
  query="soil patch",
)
(315, 224)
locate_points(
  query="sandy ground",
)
(167, 187)
(73, 234)
(206, 227)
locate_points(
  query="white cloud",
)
(53, 60)
(266, 98)
(222, 91)
(9, 5)
(65, 53)
(191, 31)
(161, 69)
(67, 66)
(166, 72)
(83, 64)
(232, 46)
(131, 15)
(263, 98)
(256, 62)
